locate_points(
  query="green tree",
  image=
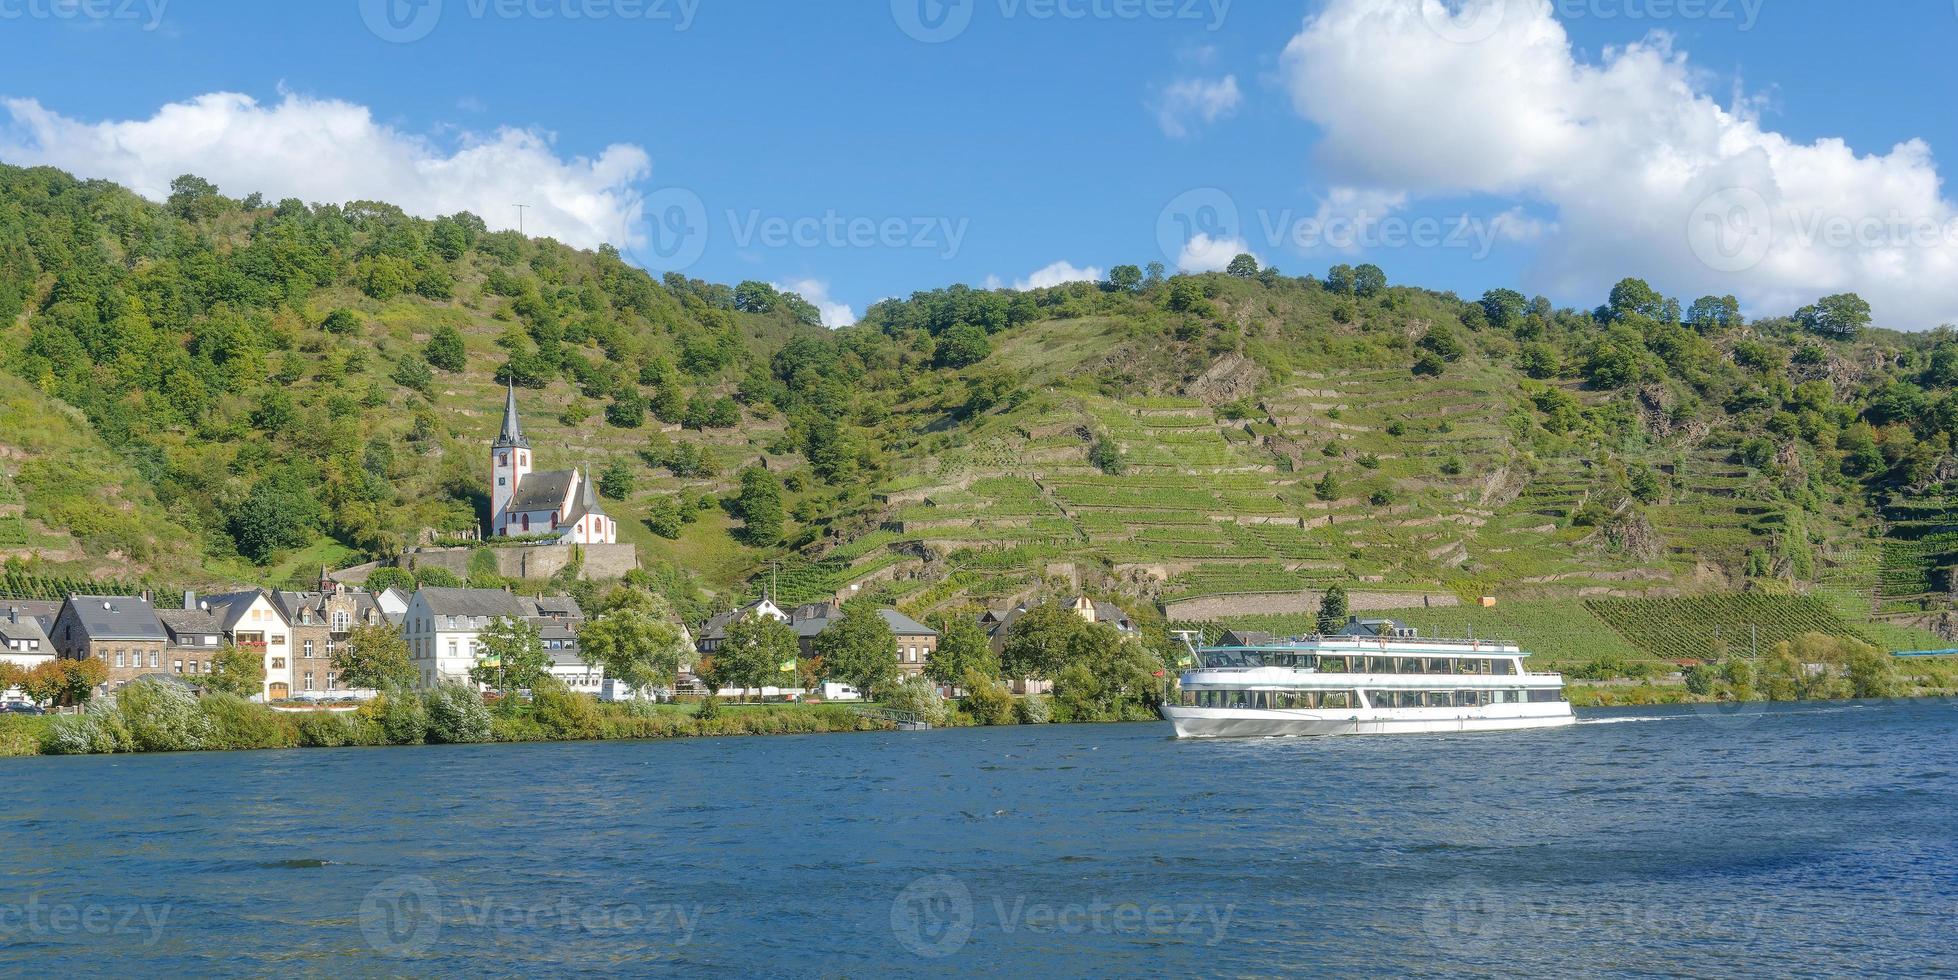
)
(278, 513)
(752, 654)
(963, 649)
(1244, 266)
(445, 349)
(962, 346)
(1333, 610)
(618, 479)
(1842, 316)
(640, 646)
(413, 374)
(340, 322)
(1106, 677)
(760, 508)
(1329, 488)
(236, 670)
(1039, 643)
(1369, 280)
(376, 658)
(859, 649)
(1124, 278)
(513, 657)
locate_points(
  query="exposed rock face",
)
(1229, 378)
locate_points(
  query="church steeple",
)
(512, 435)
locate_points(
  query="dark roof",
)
(116, 617)
(559, 605)
(185, 622)
(230, 608)
(512, 434)
(290, 603)
(903, 625)
(43, 610)
(541, 491)
(28, 628)
(487, 603)
(1370, 627)
(899, 623)
(715, 628)
(1247, 638)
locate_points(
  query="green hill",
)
(251, 389)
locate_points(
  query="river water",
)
(1807, 839)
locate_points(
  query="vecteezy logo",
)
(1206, 211)
(679, 228)
(401, 915)
(1464, 912)
(933, 21)
(932, 916)
(1465, 21)
(401, 21)
(1731, 230)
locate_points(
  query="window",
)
(278, 663)
(307, 649)
(177, 665)
(308, 682)
(341, 620)
(156, 659)
(278, 639)
(526, 524)
(332, 682)
(119, 656)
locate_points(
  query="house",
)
(23, 643)
(442, 627)
(195, 635)
(914, 641)
(714, 631)
(252, 622)
(120, 631)
(560, 503)
(1355, 626)
(320, 622)
(998, 625)
(1246, 638)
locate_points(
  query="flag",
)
(788, 666)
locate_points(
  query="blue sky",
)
(1032, 138)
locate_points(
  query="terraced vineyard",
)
(1703, 627)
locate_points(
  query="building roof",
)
(22, 627)
(586, 504)
(42, 610)
(485, 603)
(189, 622)
(540, 491)
(1247, 638)
(290, 603)
(512, 434)
(230, 608)
(903, 625)
(559, 606)
(1356, 626)
(116, 617)
(815, 624)
(715, 628)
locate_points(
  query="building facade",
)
(561, 503)
(443, 628)
(252, 622)
(120, 631)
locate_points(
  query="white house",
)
(22, 643)
(562, 503)
(442, 628)
(251, 621)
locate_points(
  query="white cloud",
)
(816, 291)
(1191, 100)
(329, 151)
(1056, 274)
(1646, 174)
(1206, 254)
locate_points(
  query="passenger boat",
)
(1375, 677)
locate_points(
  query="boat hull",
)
(1193, 722)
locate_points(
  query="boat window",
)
(1440, 665)
(1506, 667)
(1336, 699)
(1332, 665)
(1544, 695)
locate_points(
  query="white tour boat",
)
(1375, 677)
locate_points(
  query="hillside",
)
(253, 389)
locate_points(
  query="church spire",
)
(512, 435)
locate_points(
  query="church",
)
(562, 503)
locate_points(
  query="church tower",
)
(509, 464)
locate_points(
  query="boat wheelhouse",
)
(1383, 679)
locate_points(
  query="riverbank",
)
(1628, 694)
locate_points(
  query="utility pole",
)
(520, 209)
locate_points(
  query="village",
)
(300, 638)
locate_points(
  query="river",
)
(1782, 840)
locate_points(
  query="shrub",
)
(327, 730)
(403, 718)
(565, 713)
(986, 700)
(97, 730)
(919, 697)
(162, 718)
(239, 724)
(456, 715)
(1035, 709)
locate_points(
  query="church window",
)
(526, 523)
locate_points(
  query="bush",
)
(456, 715)
(163, 718)
(239, 724)
(919, 697)
(403, 718)
(326, 730)
(564, 713)
(1035, 709)
(986, 700)
(99, 730)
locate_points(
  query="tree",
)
(760, 508)
(1106, 675)
(1429, 364)
(1711, 313)
(1503, 308)
(340, 321)
(1333, 610)
(413, 374)
(963, 650)
(1154, 274)
(1244, 266)
(638, 645)
(859, 649)
(1840, 316)
(627, 410)
(1038, 644)
(513, 657)
(617, 480)
(279, 512)
(1124, 278)
(1635, 297)
(1328, 488)
(1443, 342)
(962, 346)
(51, 680)
(237, 671)
(445, 349)
(376, 658)
(755, 297)
(1369, 280)
(754, 651)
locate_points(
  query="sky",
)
(1776, 150)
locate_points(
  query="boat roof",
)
(1471, 646)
